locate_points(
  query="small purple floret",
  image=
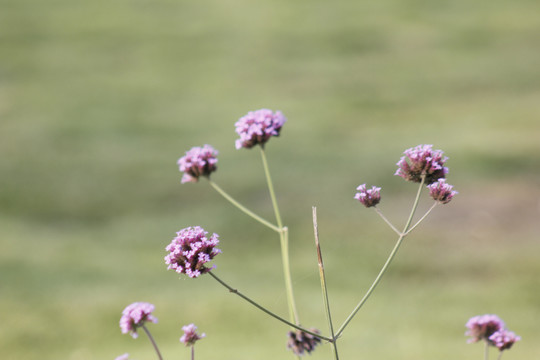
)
(441, 191)
(482, 327)
(422, 160)
(134, 316)
(190, 250)
(190, 336)
(257, 127)
(300, 341)
(198, 161)
(503, 339)
(369, 197)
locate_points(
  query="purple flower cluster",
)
(190, 250)
(257, 127)
(198, 161)
(134, 316)
(441, 191)
(369, 197)
(490, 328)
(190, 336)
(422, 160)
(300, 341)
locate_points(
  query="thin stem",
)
(386, 264)
(323, 281)
(268, 312)
(422, 218)
(284, 241)
(243, 208)
(486, 351)
(386, 220)
(192, 352)
(152, 341)
(500, 355)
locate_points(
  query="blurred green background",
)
(98, 99)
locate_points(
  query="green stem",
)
(192, 352)
(284, 241)
(386, 264)
(266, 311)
(486, 351)
(386, 220)
(421, 219)
(324, 288)
(243, 208)
(152, 341)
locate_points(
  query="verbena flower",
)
(300, 341)
(257, 127)
(134, 316)
(122, 357)
(441, 191)
(198, 161)
(369, 197)
(190, 250)
(482, 327)
(190, 336)
(503, 339)
(422, 160)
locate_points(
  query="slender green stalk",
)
(323, 282)
(192, 352)
(263, 309)
(243, 208)
(386, 264)
(486, 351)
(378, 211)
(152, 341)
(421, 219)
(500, 355)
(284, 240)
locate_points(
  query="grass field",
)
(98, 99)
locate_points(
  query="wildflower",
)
(422, 160)
(190, 335)
(482, 327)
(134, 316)
(198, 161)
(190, 250)
(503, 339)
(301, 341)
(122, 357)
(441, 191)
(369, 197)
(257, 127)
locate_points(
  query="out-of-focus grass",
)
(98, 100)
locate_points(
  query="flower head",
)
(134, 316)
(300, 341)
(190, 335)
(503, 339)
(198, 161)
(190, 250)
(369, 197)
(122, 357)
(257, 127)
(441, 191)
(482, 327)
(422, 160)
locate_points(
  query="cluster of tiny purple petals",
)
(190, 336)
(300, 341)
(503, 339)
(257, 127)
(483, 326)
(369, 197)
(198, 161)
(134, 316)
(190, 250)
(422, 160)
(441, 191)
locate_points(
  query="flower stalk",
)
(152, 341)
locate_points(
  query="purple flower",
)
(198, 161)
(122, 357)
(300, 341)
(257, 127)
(422, 160)
(503, 339)
(482, 327)
(190, 335)
(190, 250)
(369, 197)
(441, 191)
(134, 316)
